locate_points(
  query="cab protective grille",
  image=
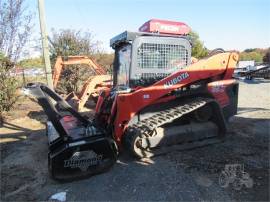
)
(169, 57)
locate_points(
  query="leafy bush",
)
(198, 48)
(252, 55)
(67, 42)
(266, 57)
(32, 63)
(15, 30)
(8, 86)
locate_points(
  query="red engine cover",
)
(165, 27)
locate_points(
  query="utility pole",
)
(45, 45)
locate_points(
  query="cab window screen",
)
(162, 56)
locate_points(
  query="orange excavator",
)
(159, 102)
(91, 86)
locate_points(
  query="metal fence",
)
(24, 76)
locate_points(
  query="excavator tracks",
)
(137, 136)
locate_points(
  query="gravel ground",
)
(187, 176)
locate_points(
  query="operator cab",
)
(145, 57)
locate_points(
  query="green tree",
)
(32, 63)
(8, 85)
(256, 54)
(248, 50)
(198, 48)
(67, 42)
(266, 57)
(104, 59)
(253, 55)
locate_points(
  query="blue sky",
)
(229, 24)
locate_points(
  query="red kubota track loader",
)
(159, 102)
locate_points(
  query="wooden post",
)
(45, 45)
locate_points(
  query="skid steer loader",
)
(159, 102)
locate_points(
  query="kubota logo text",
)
(176, 80)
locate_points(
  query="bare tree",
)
(15, 27)
(15, 30)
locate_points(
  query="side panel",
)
(226, 93)
(231, 109)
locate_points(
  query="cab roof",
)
(128, 36)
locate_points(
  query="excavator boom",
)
(91, 87)
(73, 60)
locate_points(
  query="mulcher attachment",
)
(77, 148)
